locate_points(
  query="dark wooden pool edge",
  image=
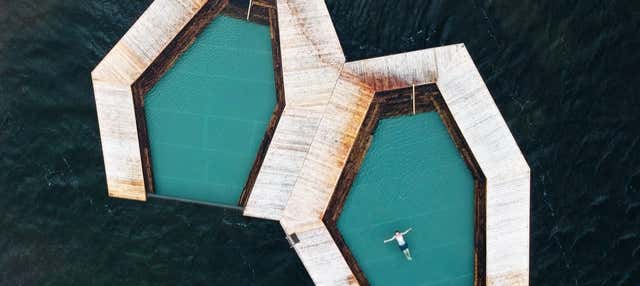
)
(259, 10)
(399, 102)
(277, 112)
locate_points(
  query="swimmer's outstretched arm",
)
(390, 239)
(407, 231)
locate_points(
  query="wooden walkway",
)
(304, 56)
(326, 101)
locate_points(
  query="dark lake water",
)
(563, 73)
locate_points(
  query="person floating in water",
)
(404, 246)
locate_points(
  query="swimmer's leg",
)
(407, 254)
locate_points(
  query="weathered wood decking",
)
(313, 136)
(304, 56)
(327, 100)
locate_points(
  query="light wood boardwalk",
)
(327, 154)
(119, 136)
(323, 112)
(311, 62)
(322, 258)
(326, 102)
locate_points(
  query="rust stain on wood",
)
(512, 278)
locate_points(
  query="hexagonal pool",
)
(412, 176)
(207, 116)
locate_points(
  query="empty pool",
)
(207, 116)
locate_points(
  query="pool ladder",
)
(249, 9)
(413, 98)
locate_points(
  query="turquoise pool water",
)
(207, 116)
(412, 176)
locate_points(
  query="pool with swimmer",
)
(412, 176)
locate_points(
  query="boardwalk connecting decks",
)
(303, 56)
(326, 101)
(312, 142)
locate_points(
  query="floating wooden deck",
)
(324, 110)
(327, 100)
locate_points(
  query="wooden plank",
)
(119, 136)
(283, 162)
(397, 71)
(311, 53)
(507, 222)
